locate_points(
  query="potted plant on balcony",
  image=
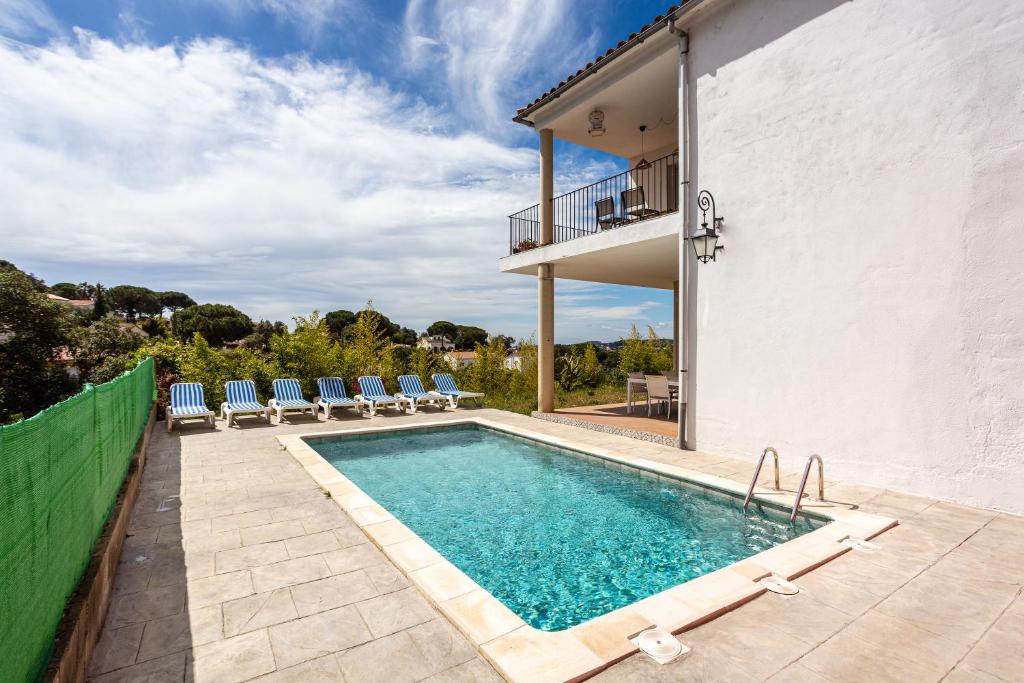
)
(524, 245)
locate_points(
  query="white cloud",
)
(26, 19)
(278, 186)
(489, 50)
(309, 16)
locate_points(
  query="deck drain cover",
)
(861, 545)
(660, 645)
(777, 584)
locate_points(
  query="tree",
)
(404, 336)
(8, 267)
(155, 327)
(368, 351)
(263, 331)
(217, 323)
(99, 308)
(307, 353)
(469, 336)
(175, 301)
(67, 290)
(130, 301)
(34, 331)
(592, 370)
(509, 342)
(635, 354)
(106, 339)
(424, 363)
(198, 362)
(444, 328)
(338, 321)
(384, 325)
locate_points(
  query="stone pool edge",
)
(521, 652)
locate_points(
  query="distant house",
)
(514, 361)
(460, 359)
(436, 342)
(84, 305)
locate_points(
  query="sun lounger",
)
(412, 389)
(373, 392)
(187, 401)
(241, 400)
(332, 395)
(445, 385)
(288, 396)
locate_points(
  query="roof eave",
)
(660, 22)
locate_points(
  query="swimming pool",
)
(558, 538)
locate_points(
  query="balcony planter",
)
(524, 245)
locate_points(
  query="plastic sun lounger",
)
(374, 394)
(412, 389)
(288, 396)
(332, 395)
(188, 401)
(445, 384)
(241, 400)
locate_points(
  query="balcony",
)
(647, 191)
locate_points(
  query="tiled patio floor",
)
(240, 569)
(614, 415)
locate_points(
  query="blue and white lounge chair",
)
(288, 396)
(187, 401)
(412, 389)
(241, 400)
(445, 385)
(374, 394)
(332, 395)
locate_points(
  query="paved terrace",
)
(238, 568)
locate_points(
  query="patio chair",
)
(634, 204)
(188, 401)
(288, 396)
(657, 390)
(374, 394)
(412, 389)
(606, 217)
(332, 395)
(445, 385)
(241, 400)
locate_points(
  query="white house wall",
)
(868, 158)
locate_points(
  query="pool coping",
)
(521, 652)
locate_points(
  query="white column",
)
(546, 281)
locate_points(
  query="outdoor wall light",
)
(705, 241)
(597, 128)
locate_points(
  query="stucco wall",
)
(868, 158)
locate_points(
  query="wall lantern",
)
(705, 241)
(597, 128)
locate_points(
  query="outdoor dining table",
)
(673, 384)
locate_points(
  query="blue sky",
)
(286, 155)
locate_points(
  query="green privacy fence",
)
(60, 473)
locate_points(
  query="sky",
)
(283, 156)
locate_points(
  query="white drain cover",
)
(660, 645)
(778, 584)
(861, 545)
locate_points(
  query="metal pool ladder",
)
(757, 473)
(803, 484)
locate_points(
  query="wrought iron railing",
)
(641, 193)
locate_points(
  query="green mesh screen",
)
(60, 472)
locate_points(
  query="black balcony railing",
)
(646, 191)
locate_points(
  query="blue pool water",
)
(557, 538)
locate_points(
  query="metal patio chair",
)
(634, 204)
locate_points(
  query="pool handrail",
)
(757, 473)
